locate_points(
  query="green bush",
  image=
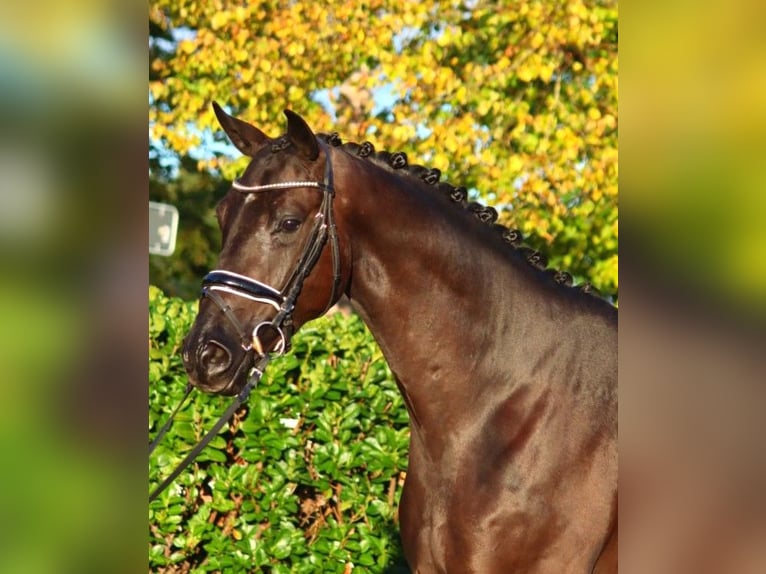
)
(320, 497)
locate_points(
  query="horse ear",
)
(301, 136)
(248, 139)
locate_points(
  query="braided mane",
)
(398, 162)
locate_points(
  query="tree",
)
(516, 99)
(194, 193)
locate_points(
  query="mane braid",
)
(397, 162)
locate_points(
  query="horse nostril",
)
(214, 357)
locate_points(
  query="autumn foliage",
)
(514, 99)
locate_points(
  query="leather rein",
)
(283, 300)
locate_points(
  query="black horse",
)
(509, 372)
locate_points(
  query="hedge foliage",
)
(320, 497)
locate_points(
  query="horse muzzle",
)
(217, 365)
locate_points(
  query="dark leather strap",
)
(166, 426)
(236, 403)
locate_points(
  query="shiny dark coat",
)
(510, 378)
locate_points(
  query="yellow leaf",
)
(186, 46)
(219, 20)
(546, 72)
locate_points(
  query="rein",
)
(282, 300)
(252, 381)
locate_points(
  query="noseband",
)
(283, 300)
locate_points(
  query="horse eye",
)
(290, 224)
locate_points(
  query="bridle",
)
(283, 300)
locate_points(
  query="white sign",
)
(163, 227)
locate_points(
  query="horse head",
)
(279, 264)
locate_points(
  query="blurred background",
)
(517, 102)
(693, 270)
(73, 256)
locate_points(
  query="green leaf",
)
(280, 549)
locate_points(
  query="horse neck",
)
(438, 292)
